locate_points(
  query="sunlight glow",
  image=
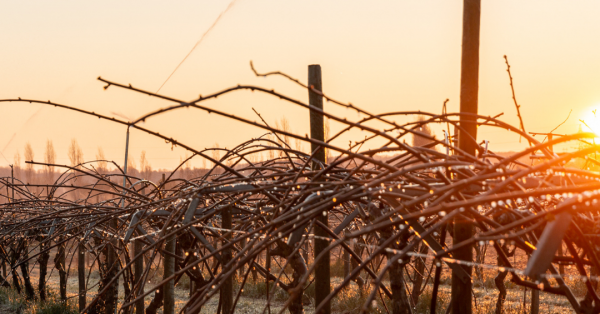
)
(591, 121)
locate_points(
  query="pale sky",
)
(380, 55)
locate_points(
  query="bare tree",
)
(75, 154)
(102, 168)
(216, 153)
(425, 130)
(298, 144)
(283, 125)
(188, 163)
(145, 168)
(102, 164)
(29, 172)
(49, 158)
(131, 166)
(17, 165)
(76, 158)
(186, 168)
(270, 152)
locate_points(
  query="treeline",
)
(27, 173)
(40, 179)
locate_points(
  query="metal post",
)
(317, 132)
(469, 85)
(113, 292)
(125, 166)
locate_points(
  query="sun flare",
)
(591, 121)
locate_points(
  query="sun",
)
(591, 121)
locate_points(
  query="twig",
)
(562, 122)
(581, 120)
(512, 88)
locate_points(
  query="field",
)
(253, 301)
(379, 225)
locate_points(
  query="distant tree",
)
(131, 166)
(216, 153)
(76, 158)
(187, 162)
(145, 168)
(17, 165)
(101, 168)
(49, 158)
(298, 144)
(186, 167)
(283, 125)
(270, 152)
(255, 158)
(102, 164)
(421, 140)
(29, 172)
(75, 154)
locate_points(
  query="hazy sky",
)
(381, 55)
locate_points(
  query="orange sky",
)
(381, 55)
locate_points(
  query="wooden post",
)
(81, 275)
(317, 132)
(169, 270)
(317, 129)
(139, 269)
(469, 85)
(227, 288)
(535, 301)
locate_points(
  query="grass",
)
(12, 302)
(442, 301)
(258, 290)
(350, 300)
